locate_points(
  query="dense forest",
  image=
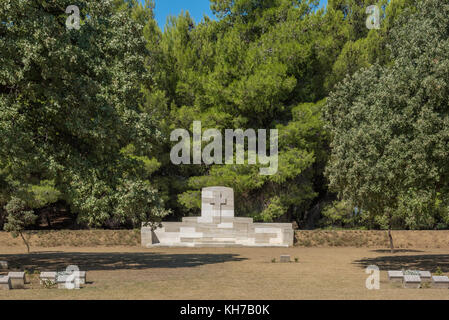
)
(362, 114)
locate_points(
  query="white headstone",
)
(412, 282)
(5, 283)
(82, 275)
(440, 282)
(17, 280)
(395, 276)
(67, 281)
(441, 279)
(425, 276)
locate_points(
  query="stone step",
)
(188, 240)
(217, 245)
(215, 233)
(214, 241)
(207, 241)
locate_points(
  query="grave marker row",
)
(64, 280)
(414, 279)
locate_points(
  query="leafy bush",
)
(18, 219)
(342, 214)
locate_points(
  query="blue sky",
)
(196, 8)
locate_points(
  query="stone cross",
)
(217, 202)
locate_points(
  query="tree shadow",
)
(396, 251)
(58, 261)
(415, 262)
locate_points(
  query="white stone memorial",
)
(3, 264)
(412, 282)
(82, 277)
(65, 282)
(440, 282)
(79, 277)
(218, 227)
(17, 280)
(426, 276)
(5, 283)
(395, 276)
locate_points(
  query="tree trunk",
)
(26, 242)
(391, 241)
(48, 219)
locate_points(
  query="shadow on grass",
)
(396, 251)
(57, 261)
(415, 262)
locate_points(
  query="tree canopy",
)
(390, 126)
(86, 113)
(70, 104)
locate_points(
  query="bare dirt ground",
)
(224, 274)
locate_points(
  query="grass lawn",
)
(237, 273)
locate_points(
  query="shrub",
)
(18, 219)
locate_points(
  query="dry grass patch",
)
(75, 238)
(372, 239)
(219, 273)
(316, 238)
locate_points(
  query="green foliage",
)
(421, 211)
(85, 115)
(18, 216)
(138, 201)
(257, 67)
(70, 101)
(263, 64)
(48, 283)
(18, 219)
(342, 214)
(390, 126)
(44, 194)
